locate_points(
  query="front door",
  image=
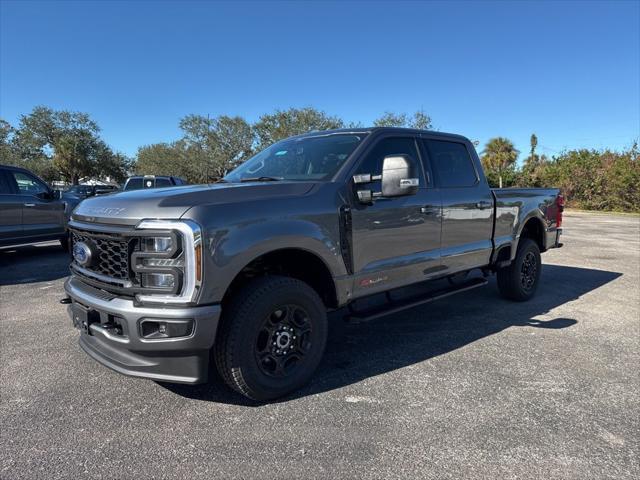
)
(41, 214)
(396, 241)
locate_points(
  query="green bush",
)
(593, 180)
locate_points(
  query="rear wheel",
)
(519, 281)
(272, 337)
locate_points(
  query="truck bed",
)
(514, 206)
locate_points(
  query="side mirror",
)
(57, 194)
(399, 176)
(48, 195)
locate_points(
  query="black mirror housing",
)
(399, 176)
(48, 195)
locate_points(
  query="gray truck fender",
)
(235, 249)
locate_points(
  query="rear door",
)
(467, 204)
(10, 210)
(396, 241)
(41, 214)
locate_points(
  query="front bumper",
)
(178, 359)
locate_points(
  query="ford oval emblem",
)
(82, 253)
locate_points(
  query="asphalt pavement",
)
(472, 386)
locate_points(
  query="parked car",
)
(30, 210)
(105, 189)
(246, 270)
(81, 191)
(139, 182)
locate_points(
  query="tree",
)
(59, 142)
(114, 166)
(281, 124)
(390, 119)
(8, 152)
(166, 159)
(419, 120)
(498, 156)
(534, 143)
(218, 144)
(73, 156)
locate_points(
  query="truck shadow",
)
(33, 263)
(358, 352)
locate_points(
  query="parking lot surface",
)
(472, 386)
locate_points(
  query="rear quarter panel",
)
(516, 206)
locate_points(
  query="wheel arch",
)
(295, 262)
(534, 229)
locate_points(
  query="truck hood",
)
(128, 208)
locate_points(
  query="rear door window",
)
(163, 182)
(134, 184)
(451, 163)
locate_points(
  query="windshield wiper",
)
(261, 179)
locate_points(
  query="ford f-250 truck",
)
(244, 271)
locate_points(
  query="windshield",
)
(307, 158)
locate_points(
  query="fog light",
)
(157, 329)
(158, 280)
(157, 244)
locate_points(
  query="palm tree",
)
(499, 154)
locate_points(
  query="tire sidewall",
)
(528, 246)
(245, 362)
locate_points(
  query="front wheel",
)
(272, 337)
(519, 281)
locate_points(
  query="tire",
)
(272, 337)
(519, 281)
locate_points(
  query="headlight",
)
(158, 280)
(157, 244)
(170, 259)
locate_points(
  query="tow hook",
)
(65, 300)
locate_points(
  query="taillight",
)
(560, 209)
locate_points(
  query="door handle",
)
(482, 205)
(29, 204)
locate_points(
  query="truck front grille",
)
(112, 258)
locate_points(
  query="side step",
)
(398, 306)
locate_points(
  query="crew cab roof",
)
(401, 130)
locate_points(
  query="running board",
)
(398, 306)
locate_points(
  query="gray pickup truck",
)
(243, 272)
(30, 210)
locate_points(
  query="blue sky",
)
(568, 71)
